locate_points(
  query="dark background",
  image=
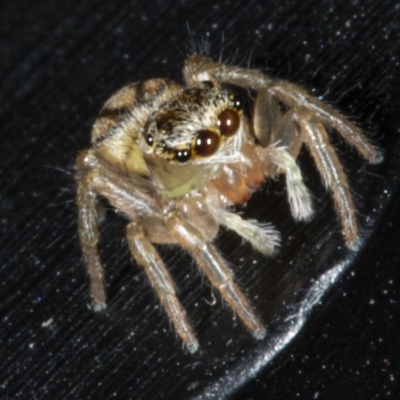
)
(59, 62)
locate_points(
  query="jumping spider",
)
(174, 159)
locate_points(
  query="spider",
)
(175, 158)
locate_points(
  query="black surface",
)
(59, 63)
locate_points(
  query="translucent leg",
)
(128, 197)
(146, 256)
(200, 69)
(333, 176)
(298, 194)
(263, 237)
(216, 270)
(89, 236)
(298, 98)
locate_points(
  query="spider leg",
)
(89, 234)
(273, 128)
(298, 194)
(334, 178)
(199, 69)
(298, 98)
(215, 268)
(146, 255)
(263, 237)
(306, 120)
(91, 182)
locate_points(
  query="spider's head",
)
(196, 126)
(191, 135)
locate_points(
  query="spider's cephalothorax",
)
(193, 124)
(174, 159)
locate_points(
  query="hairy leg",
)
(88, 233)
(263, 237)
(298, 194)
(333, 176)
(199, 69)
(306, 120)
(298, 98)
(215, 268)
(127, 196)
(146, 256)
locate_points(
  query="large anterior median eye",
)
(207, 143)
(228, 122)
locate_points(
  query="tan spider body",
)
(174, 159)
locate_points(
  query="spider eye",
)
(236, 102)
(182, 155)
(207, 143)
(149, 139)
(208, 84)
(228, 122)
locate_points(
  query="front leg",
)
(146, 256)
(215, 268)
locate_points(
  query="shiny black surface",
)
(59, 63)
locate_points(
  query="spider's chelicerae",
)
(175, 158)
